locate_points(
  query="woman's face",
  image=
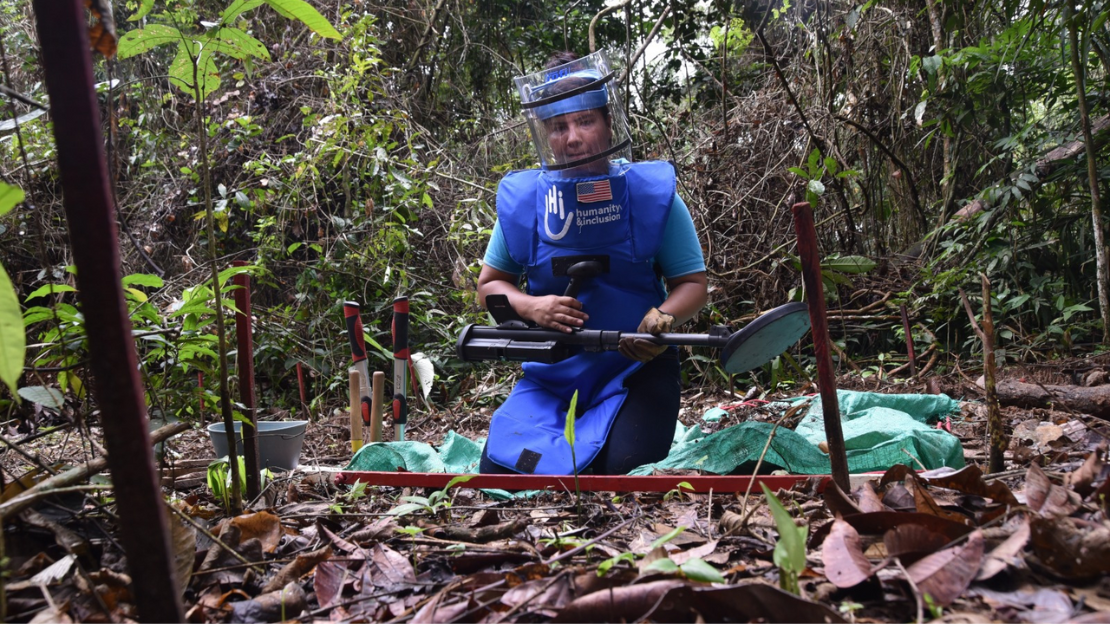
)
(579, 135)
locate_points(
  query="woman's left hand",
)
(655, 322)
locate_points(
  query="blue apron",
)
(544, 217)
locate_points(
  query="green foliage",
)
(13, 343)
(790, 549)
(194, 68)
(568, 433)
(677, 491)
(694, 569)
(219, 479)
(437, 504)
(738, 34)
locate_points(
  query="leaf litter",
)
(1029, 545)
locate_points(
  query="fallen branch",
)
(1094, 400)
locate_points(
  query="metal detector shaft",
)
(588, 339)
(756, 344)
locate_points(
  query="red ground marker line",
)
(588, 483)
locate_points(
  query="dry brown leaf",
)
(879, 522)
(1047, 498)
(698, 552)
(838, 502)
(277, 606)
(1007, 553)
(912, 541)
(297, 568)
(183, 538)
(925, 503)
(102, 34)
(845, 563)
(329, 580)
(1082, 480)
(262, 525)
(867, 499)
(385, 571)
(946, 575)
(754, 602)
(620, 604)
(1072, 548)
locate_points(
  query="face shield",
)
(577, 121)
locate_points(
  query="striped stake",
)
(351, 314)
(400, 365)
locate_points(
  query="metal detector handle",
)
(579, 272)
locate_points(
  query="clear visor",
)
(576, 117)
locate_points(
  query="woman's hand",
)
(655, 322)
(552, 311)
(555, 312)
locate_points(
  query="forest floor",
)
(1031, 544)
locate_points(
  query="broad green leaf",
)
(931, 64)
(238, 44)
(664, 565)
(49, 397)
(790, 551)
(237, 8)
(419, 500)
(144, 9)
(230, 272)
(673, 533)
(306, 14)
(143, 279)
(849, 264)
(604, 566)
(568, 428)
(13, 342)
(139, 41)
(407, 508)
(137, 294)
(698, 570)
(459, 479)
(182, 70)
(43, 291)
(10, 196)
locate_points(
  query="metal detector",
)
(756, 344)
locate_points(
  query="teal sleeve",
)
(680, 254)
(497, 252)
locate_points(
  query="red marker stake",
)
(826, 379)
(355, 335)
(400, 365)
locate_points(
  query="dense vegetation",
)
(361, 163)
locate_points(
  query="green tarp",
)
(880, 430)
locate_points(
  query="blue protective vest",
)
(543, 217)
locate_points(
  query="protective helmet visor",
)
(576, 118)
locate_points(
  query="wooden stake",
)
(998, 439)
(909, 340)
(376, 407)
(354, 391)
(826, 379)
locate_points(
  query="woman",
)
(589, 203)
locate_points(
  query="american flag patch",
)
(594, 191)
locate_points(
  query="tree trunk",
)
(1102, 277)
